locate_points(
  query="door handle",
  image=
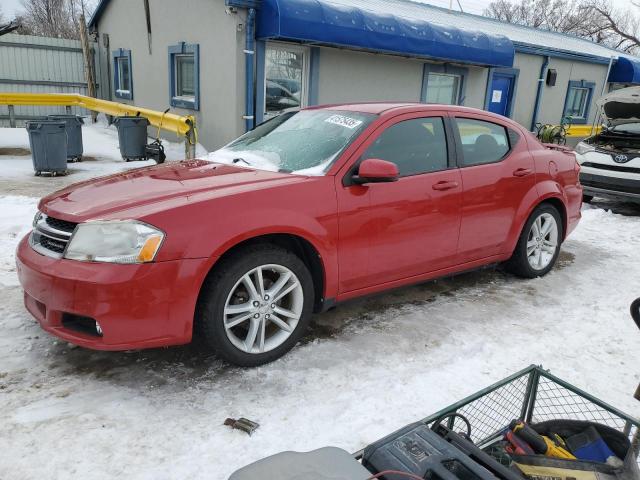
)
(522, 172)
(444, 185)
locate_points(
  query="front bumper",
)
(627, 189)
(136, 306)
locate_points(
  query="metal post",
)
(89, 73)
(190, 144)
(12, 117)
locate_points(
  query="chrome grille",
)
(50, 236)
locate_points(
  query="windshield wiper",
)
(284, 170)
(238, 160)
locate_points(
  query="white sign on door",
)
(496, 97)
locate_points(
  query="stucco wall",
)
(221, 59)
(553, 98)
(476, 87)
(529, 66)
(347, 76)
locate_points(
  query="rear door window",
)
(482, 142)
(416, 146)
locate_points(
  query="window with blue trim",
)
(122, 80)
(184, 82)
(443, 84)
(578, 101)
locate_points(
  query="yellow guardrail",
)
(583, 130)
(183, 126)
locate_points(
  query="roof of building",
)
(361, 25)
(410, 12)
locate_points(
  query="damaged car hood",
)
(621, 106)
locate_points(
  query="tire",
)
(587, 198)
(521, 263)
(225, 289)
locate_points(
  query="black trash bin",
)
(132, 136)
(73, 125)
(48, 142)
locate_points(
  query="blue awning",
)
(625, 70)
(355, 24)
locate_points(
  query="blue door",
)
(501, 93)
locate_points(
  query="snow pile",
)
(14, 224)
(371, 366)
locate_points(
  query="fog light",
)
(98, 329)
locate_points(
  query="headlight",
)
(36, 219)
(114, 242)
(583, 147)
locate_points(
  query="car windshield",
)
(628, 128)
(305, 142)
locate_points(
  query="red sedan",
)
(309, 209)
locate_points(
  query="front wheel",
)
(539, 244)
(255, 305)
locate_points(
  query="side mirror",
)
(374, 170)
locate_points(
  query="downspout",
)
(536, 105)
(250, 53)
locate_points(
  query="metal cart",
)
(534, 395)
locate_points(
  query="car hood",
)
(168, 184)
(621, 106)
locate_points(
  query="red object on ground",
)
(368, 237)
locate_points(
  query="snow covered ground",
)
(365, 369)
(101, 157)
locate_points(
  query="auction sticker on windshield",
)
(344, 121)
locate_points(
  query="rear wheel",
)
(539, 244)
(256, 305)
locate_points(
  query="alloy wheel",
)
(263, 309)
(542, 241)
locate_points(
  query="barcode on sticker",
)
(344, 121)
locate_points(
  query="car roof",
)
(395, 108)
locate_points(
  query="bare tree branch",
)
(53, 18)
(595, 20)
(614, 24)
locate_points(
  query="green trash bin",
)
(132, 137)
(48, 142)
(73, 126)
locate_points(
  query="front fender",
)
(210, 227)
(321, 236)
